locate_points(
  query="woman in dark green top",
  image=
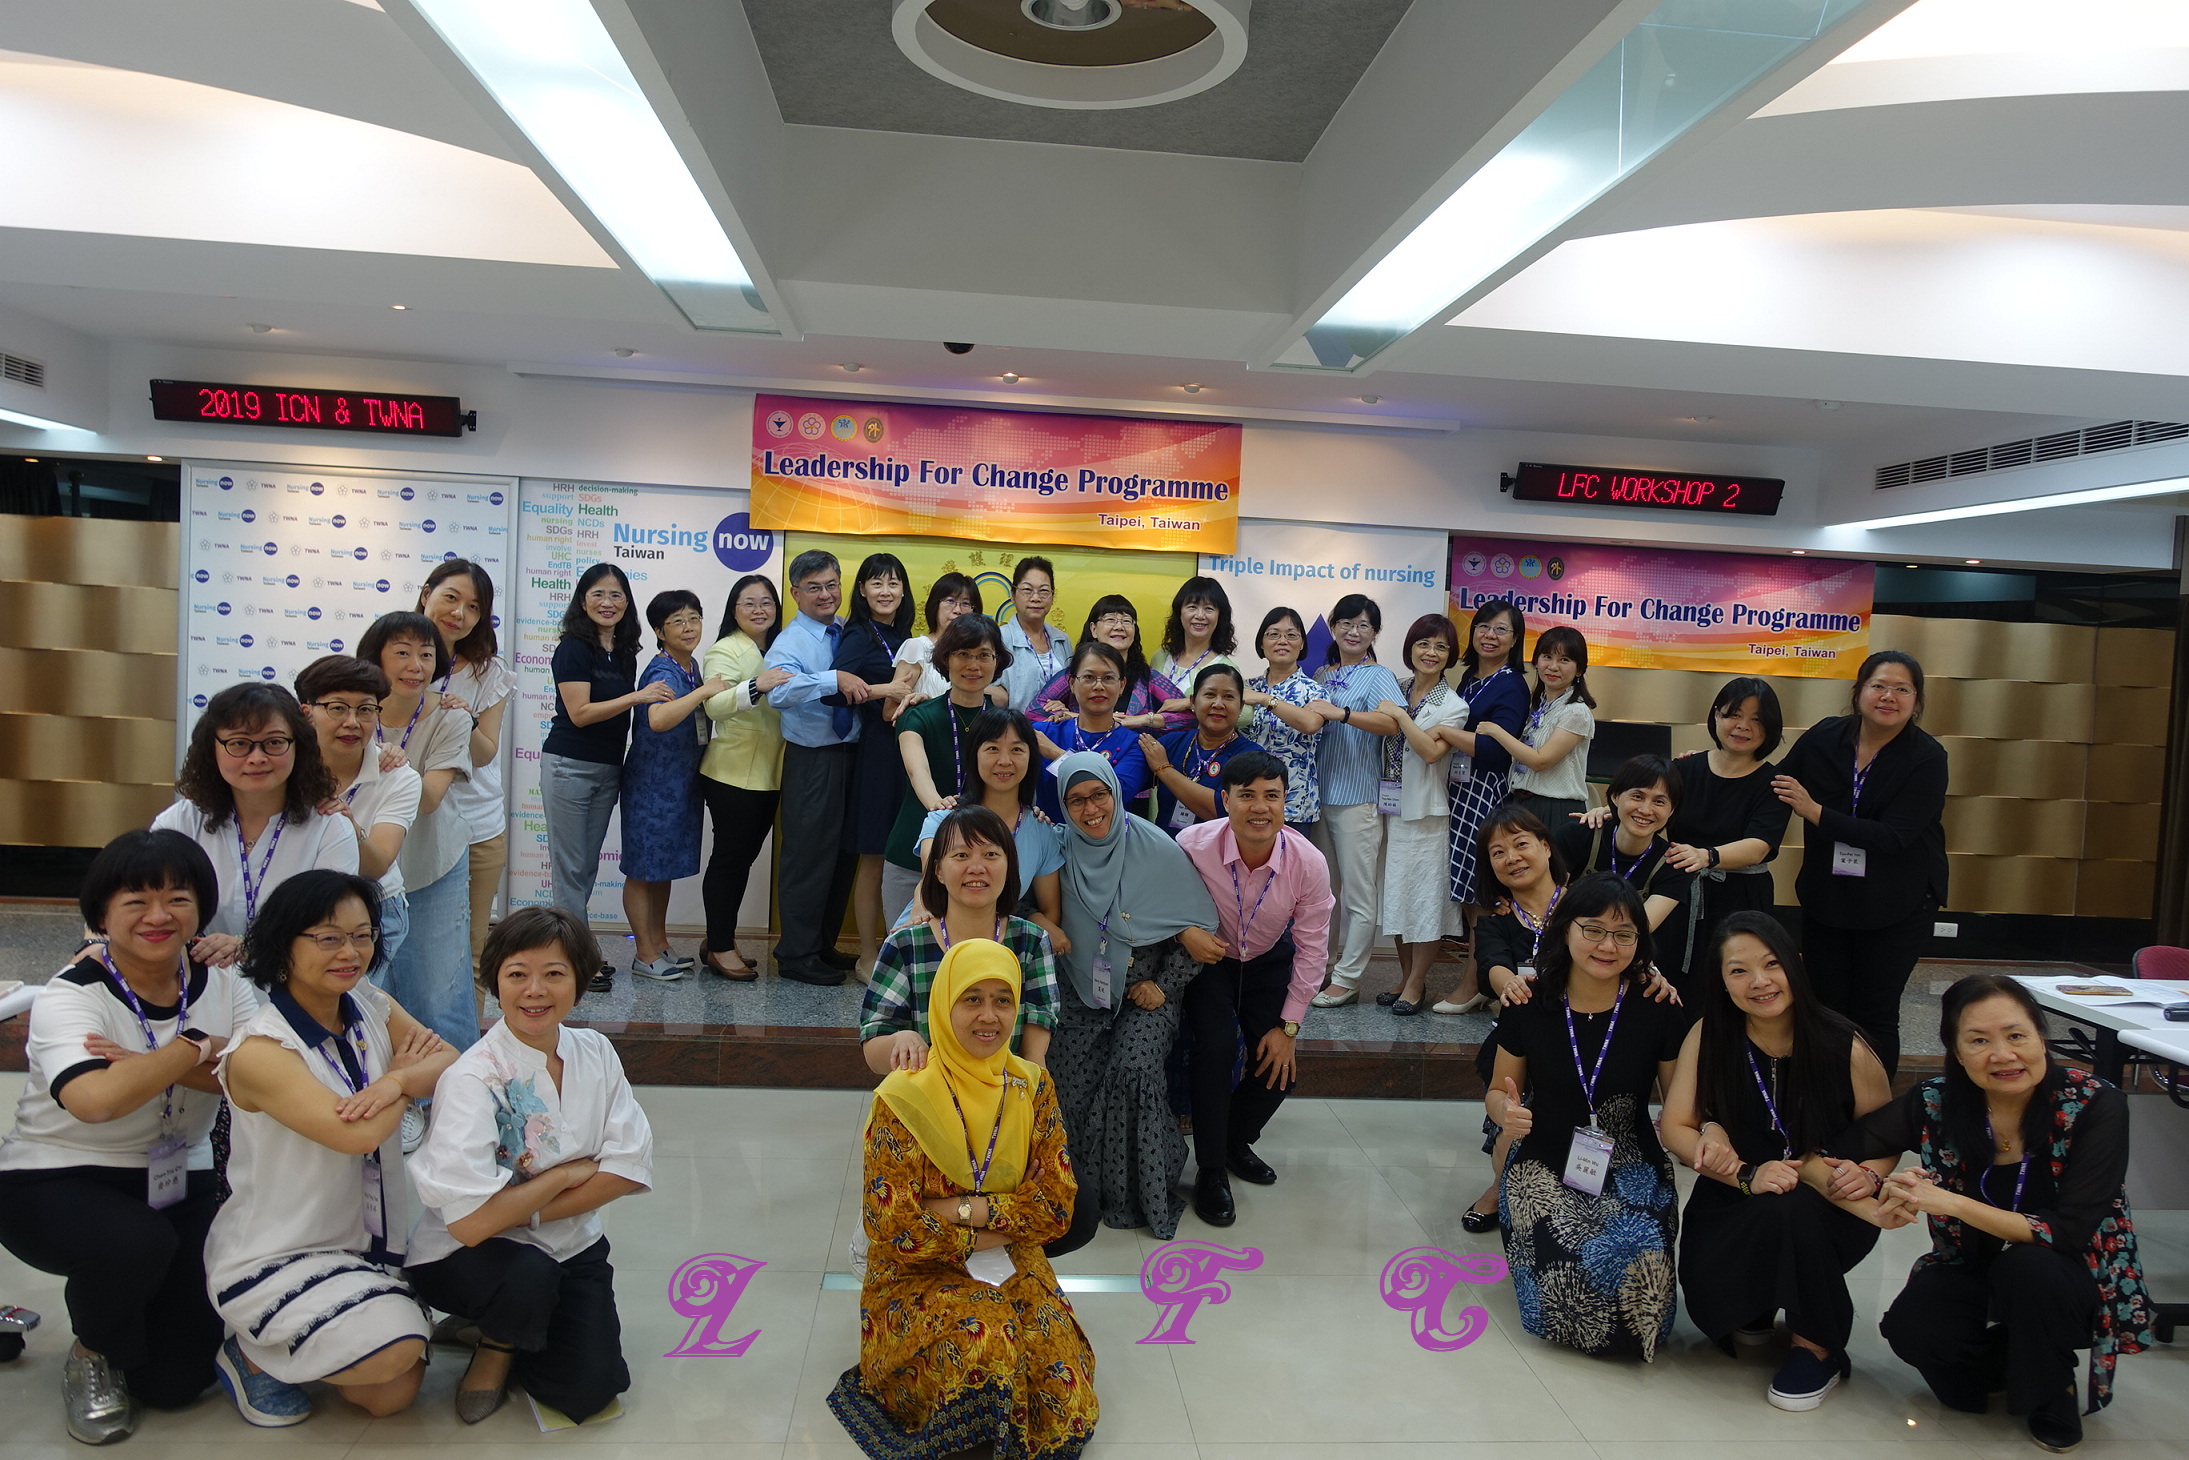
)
(931, 737)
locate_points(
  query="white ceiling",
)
(1952, 261)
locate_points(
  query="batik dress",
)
(947, 1362)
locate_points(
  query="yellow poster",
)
(1082, 574)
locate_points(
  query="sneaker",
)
(682, 960)
(260, 1398)
(662, 970)
(1757, 1332)
(16, 1320)
(101, 1409)
(414, 1128)
(1805, 1379)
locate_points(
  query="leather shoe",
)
(841, 962)
(1247, 1166)
(1212, 1199)
(812, 971)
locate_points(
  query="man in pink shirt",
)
(1272, 892)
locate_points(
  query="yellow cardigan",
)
(746, 749)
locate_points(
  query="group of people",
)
(1097, 894)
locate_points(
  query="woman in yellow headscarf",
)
(965, 1339)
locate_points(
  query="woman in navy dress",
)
(1496, 691)
(877, 626)
(660, 801)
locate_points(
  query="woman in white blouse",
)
(1417, 906)
(107, 1179)
(255, 794)
(535, 1129)
(305, 1259)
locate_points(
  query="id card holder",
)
(1387, 797)
(376, 1220)
(1463, 767)
(993, 1267)
(1526, 971)
(702, 724)
(1588, 1160)
(1182, 817)
(166, 1172)
(1101, 970)
(1849, 861)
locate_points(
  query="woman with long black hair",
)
(2021, 1171)
(1198, 633)
(1494, 685)
(877, 626)
(1764, 1080)
(1872, 785)
(581, 762)
(1550, 752)
(1114, 621)
(741, 775)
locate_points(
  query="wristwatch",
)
(1347, 718)
(1747, 1174)
(200, 1041)
(1291, 1028)
(1713, 856)
(965, 1211)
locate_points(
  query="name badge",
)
(703, 724)
(1182, 817)
(376, 1218)
(1849, 861)
(1102, 975)
(1588, 1160)
(1526, 970)
(993, 1267)
(1462, 767)
(166, 1172)
(1387, 797)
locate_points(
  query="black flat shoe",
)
(1404, 1007)
(1476, 1222)
(813, 972)
(2057, 1424)
(1212, 1199)
(603, 982)
(841, 962)
(1388, 997)
(1247, 1166)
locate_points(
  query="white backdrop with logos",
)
(284, 564)
(1309, 568)
(662, 538)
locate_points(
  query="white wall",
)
(590, 430)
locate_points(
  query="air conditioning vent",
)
(2112, 436)
(22, 372)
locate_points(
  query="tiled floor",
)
(1303, 1362)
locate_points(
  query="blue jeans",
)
(431, 976)
(394, 930)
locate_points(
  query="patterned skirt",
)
(1471, 801)
(304, 1317)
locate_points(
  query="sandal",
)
(743, 973)
(603, 982)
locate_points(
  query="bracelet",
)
(1347, 718)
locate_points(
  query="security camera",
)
(957, 347)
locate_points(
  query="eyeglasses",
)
(1597, 933)
(239, 746)
(605, 595)
(976, 656)
(1032, 592)
(1285, 635)
(1087, 798)
(1116, 621)
(683, 621)
(336, 942)
(1098, 681)
(335, 709)
(1892, 691)
(1494, 631)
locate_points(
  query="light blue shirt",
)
(1351, 761)
(807, 648)
(1040, 845)
(1029, 671)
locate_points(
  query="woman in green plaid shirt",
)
(971, 877)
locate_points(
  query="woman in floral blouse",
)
(1289, 728)
(2023, 1165)
(965, 1337)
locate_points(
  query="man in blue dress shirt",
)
(816, 869)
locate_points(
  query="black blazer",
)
(1898, 825)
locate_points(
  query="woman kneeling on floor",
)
(535, 1130)
(966, 1339)
(1765, 1079)
(305, 1260)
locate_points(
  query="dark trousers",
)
(1745, 1256)
(742, 820)
(816, 867)
(560, 1317)
(136, 1276)
(1228, 999)
(2046, 1306)
(1861, 972)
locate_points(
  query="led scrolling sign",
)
(1615, 486)
(309, 408)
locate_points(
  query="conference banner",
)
(1309, 567)
(1082, 575)
(872, 467)
(284, 564)
(662, 538)
(1644, 608)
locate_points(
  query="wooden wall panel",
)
(2135, 656)
(2012, 826)
(89, 550)
(2114, 889)
(2048, 769)
(66, 748)
(2000, 709)
(83, 682)
(2117, 831)
(2126, 772)
(2043, 885)
(1967, 648)
(2131, 716)
(75, 813)
(73, 616)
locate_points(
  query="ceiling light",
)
(1973, 562)
(1827, 405)
(24, 418)
(624, 352)
(399, 306)
(1607, 123)
(852, 367)
(1009, 377)
(1369, 400)
(262, 329)
(1192, 388)
(1915, 565)
(553, 68)
(1801, 552)
(155, 458)
(31, 460)
(2031, 504)
(1699, 420)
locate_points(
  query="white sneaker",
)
(414, 1128)
(662, 970)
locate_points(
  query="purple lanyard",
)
(957, 746)
(414, 714)
(2021, 1175)
(1521, 914)
(690, 682)
(152, 1045)
(1589, 1079)
(1239, 899)
(1627, 874)
(942, 930)
(253, 884)
(1769, 1105)
(1207, 760)
(1100, 747)
(1179, 671)
(1862, 774)
(980, 1169)
(356, 1035)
